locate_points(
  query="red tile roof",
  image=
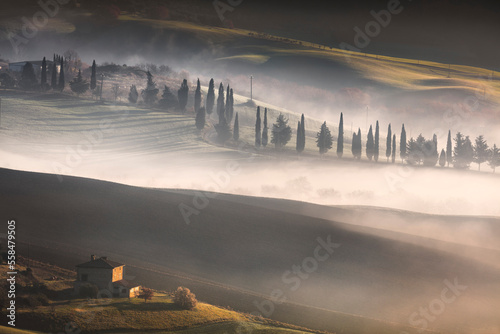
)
(100, 263)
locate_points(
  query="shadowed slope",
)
(371, 273)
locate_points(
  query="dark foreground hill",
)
(275, 251)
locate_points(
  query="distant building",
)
(37, 66)
(105, 274)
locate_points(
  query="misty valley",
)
(249, 167)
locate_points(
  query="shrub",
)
(133, 95)
(7, 81)
(88, 290)
(185, 299)
(146, 294)
(33, 300)
(78, 84)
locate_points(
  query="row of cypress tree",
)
(414, 152)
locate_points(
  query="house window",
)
(124, 290)
(85, 277)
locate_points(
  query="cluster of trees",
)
(30, 82)
(419, 151)
(56, 71)
(224, 108)
(168, 98)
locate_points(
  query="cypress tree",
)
(200, 118)
(133, 95)
(353, 144)
(481, 151)
(182, 95)
(236, 128)
(494, 160)
(197, 97)
(281, 132)
(43, 78)
(359, 146)
(220, 102)
(53, 81)
(78, 84)
(402, 144)
(298, 141)
(393, 148)
(376, 149)
(61, 76)
(302, 133)
(28, 78)
(340, 138)
(257, 129)
(223, 129)
(463, 153)
(226, 109)
(210, 97)
(324, 139)
(442, 158)
(449, 152)
(265, 130)
(388, 150)
(370, 146)
(150, 92)
(435, 143)
(93, 77)
(231, 100)
(229, 105)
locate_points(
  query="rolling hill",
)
(373, 272)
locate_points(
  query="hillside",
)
(119, 315)
(322, 81)
(375, 272)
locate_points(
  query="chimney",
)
(92, 257)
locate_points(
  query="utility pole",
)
(0, 112)
(102, 80)
(251, 84)
(366, 123)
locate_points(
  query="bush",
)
(88, 291)
(78, 84)
(133, 95)
(146, 294)
(33, 300)
(7, 81)
(185, 299)
(223, 131)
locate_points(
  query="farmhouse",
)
(37, 65)
(106, 275)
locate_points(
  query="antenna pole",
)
(251, 87)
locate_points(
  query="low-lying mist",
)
(322, 181)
